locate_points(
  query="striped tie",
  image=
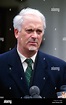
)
(28, 70)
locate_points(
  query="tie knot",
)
(29, 61)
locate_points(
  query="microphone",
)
(27, 97)
(35, 92)
(63, 88)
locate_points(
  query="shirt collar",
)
(23, 58)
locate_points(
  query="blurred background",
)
(54, 40)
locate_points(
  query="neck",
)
(26, 53)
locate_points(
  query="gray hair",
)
(18, 19)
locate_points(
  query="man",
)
(48, 72)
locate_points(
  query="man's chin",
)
(32, 48)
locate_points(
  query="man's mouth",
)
(33, 43)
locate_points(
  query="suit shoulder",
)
(51, 58)
(5, 55)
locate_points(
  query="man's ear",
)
(16, 32)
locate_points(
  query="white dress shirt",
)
(23, 58)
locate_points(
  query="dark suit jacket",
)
(49, 74)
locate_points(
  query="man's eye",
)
(39, 31)
(29, 30)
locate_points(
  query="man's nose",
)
(34, 35)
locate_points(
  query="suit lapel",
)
(40, 71)
(16, 72)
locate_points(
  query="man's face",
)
(30, 37)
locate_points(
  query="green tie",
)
(28, 70)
